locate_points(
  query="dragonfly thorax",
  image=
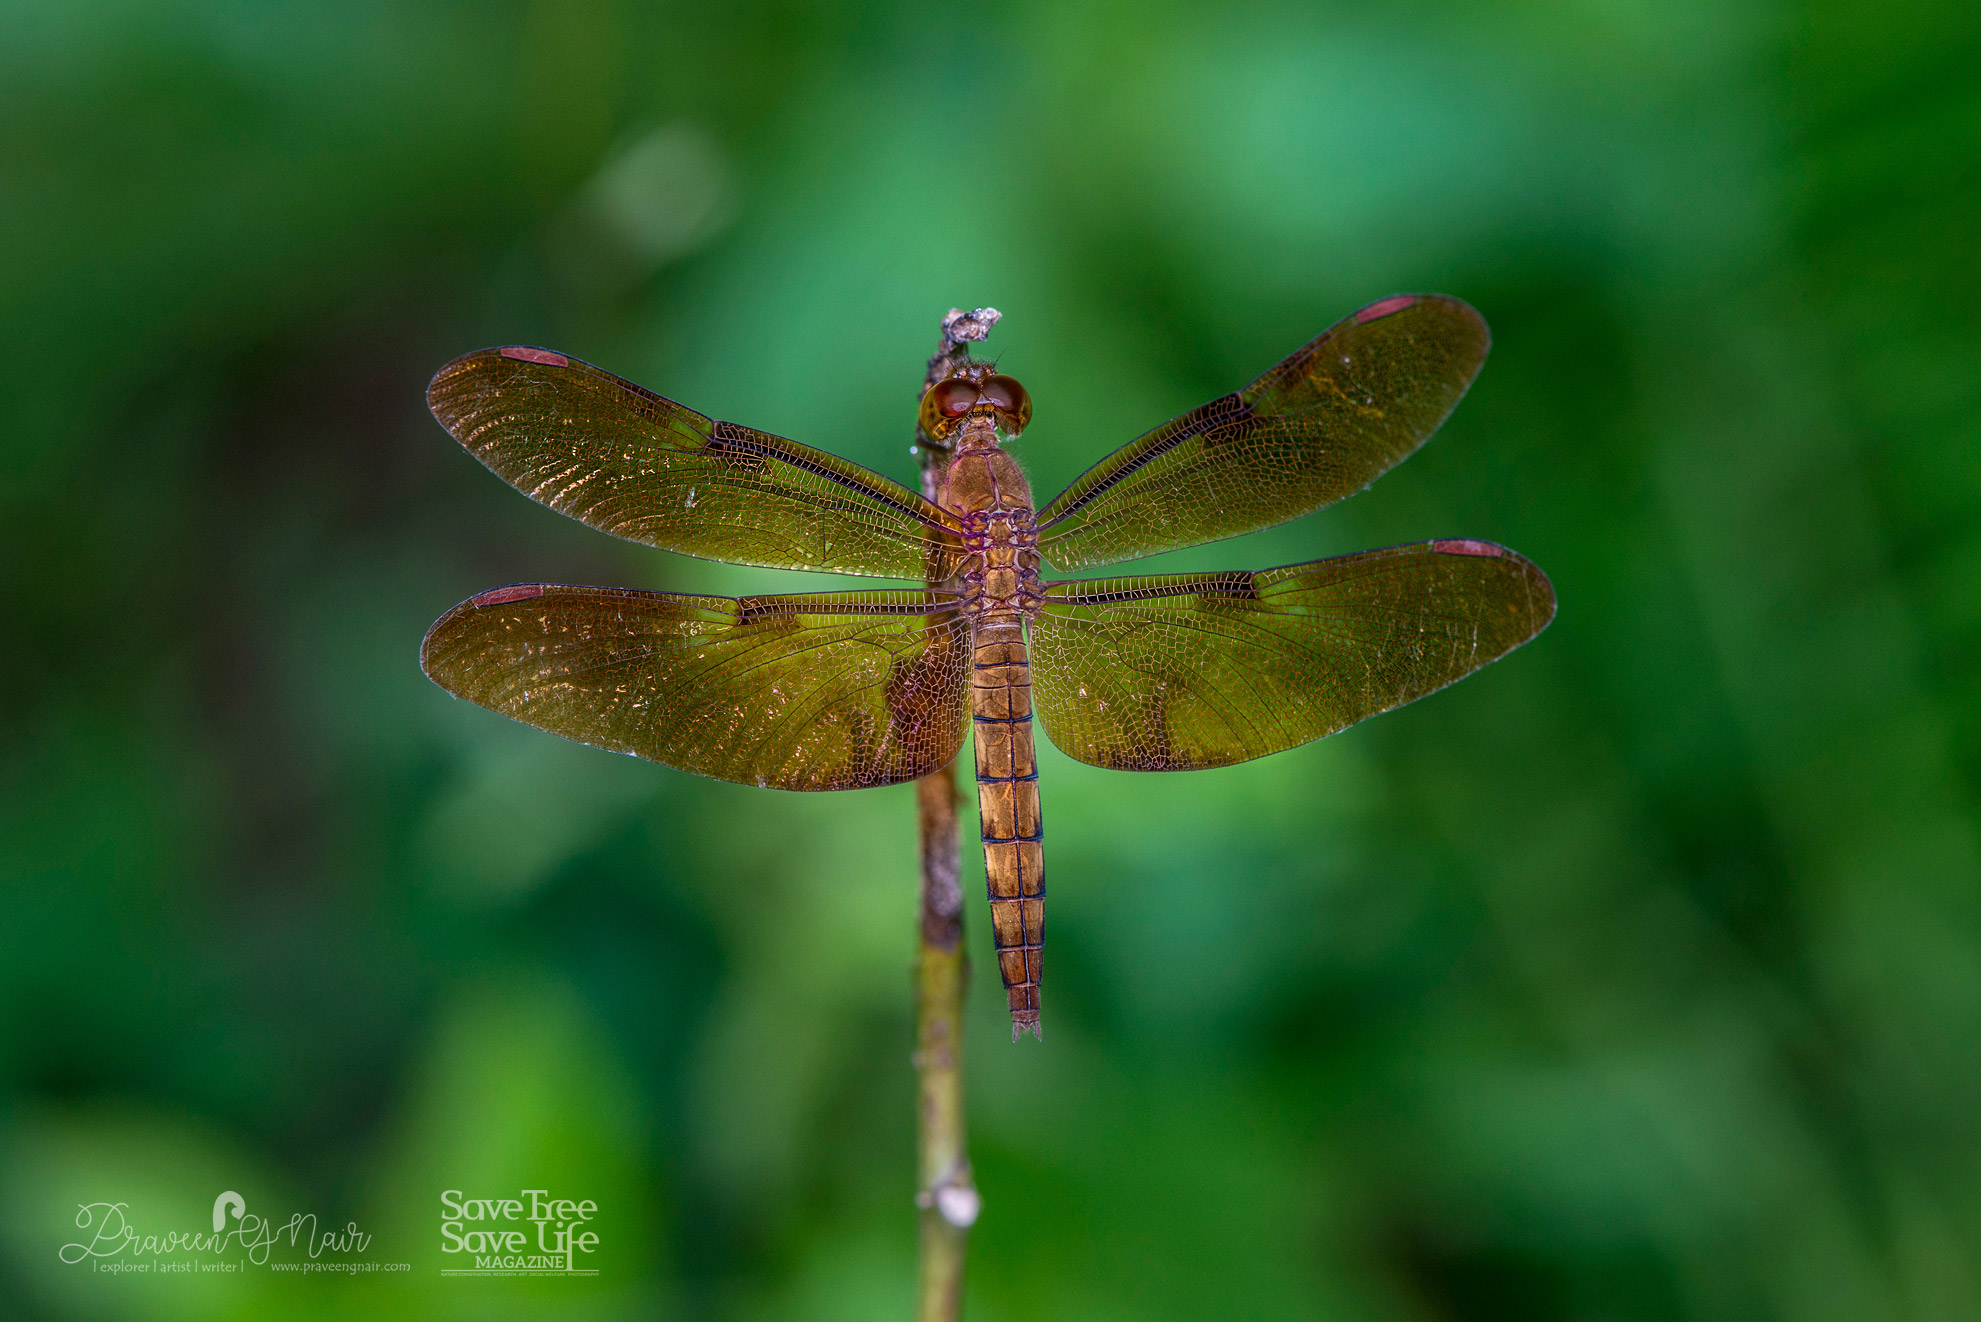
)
(984, 487)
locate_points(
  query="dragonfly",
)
(855, 689)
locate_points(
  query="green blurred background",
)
(1638, 977)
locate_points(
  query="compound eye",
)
(1004, 394)
(954, 398)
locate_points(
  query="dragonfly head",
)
(975, 390)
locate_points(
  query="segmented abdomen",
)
(1008, 807)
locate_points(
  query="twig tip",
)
(961, 326)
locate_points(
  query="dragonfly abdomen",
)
(1008, 808)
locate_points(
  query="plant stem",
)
(947, 1196)
(945, 1192)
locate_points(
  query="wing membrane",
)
(1323, 424)
(1185, 671)
(636, 465)
(825, 691)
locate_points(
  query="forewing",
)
(1204, 670)
(1325, 423)
(628, 462)
(827, 691)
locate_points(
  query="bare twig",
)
(947, 1195)
(959, 328)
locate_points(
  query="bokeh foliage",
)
(1636, 978)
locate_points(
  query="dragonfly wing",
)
(824, 691)
(636, 465)
(1185, 671)
(1325, 423)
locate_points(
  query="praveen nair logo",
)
(528, 1233)
(113, 1240)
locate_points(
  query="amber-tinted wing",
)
(1204, 670)
(628, 462)
(827, 691)
(1325, 423)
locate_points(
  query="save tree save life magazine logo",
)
(527, 1233)
(112, 1239)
